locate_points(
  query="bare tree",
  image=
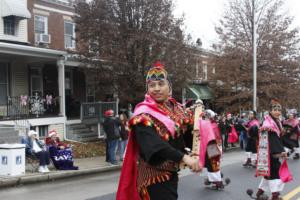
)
(277, 50)
(122, 38)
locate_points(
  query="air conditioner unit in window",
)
(43, 38)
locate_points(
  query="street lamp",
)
(254, 57)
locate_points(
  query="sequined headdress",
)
(275, 104)
(157, 72)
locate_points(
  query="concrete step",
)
(76, 126)
(10, 140)
(6, 126)
(8, 133)
(6, 129)
(79, 131)
(87, 135)
(89, 139)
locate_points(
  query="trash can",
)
(12, 159)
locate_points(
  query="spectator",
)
(60, 153)
(240, 127)
(111, 128)
(35, 147)
(124, 135)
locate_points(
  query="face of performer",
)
(251, 115)
(291, 116)
(276, 112)
(228, 116)
(159, 90)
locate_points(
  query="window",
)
(10, 25)
(90, 94)
(40, 24)
(205, 71)
(69, 35)
(43, 131)
(3, 84)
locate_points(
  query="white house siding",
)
(19, 79)
(22, 33)
(59, 128)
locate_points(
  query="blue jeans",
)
(121, 146)
(112, 145)
(243, 139)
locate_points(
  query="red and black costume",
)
(154, 150)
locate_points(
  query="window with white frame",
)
(10, 25)
(69, 35)
(40, 24)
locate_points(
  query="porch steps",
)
(9, 135)
(81, 132)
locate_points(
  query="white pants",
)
(275, 185)
(252, 156)
(214, 176)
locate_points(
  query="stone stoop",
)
(9, 135)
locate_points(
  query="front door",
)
(3, 83)
(36, 81)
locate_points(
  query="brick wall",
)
(56, 14)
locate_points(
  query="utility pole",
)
(254, 57)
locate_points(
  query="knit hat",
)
(32, 132)
(52, 133)
(253, 112)
(292, 112)
(109, 113)
(210, 113)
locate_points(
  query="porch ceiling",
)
(35, 54)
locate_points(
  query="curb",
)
(56, 175)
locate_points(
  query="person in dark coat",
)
(111, 126)
(252, 127)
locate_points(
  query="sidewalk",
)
(86, 166)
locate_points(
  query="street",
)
(103, 186)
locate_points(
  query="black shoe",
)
(296, 156)
(247, 163)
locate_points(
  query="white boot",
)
(46, 169)
(41, 169)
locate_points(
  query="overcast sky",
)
(202, 16)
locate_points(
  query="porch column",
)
(61, 85)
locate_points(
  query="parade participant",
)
(290, 138)
(210, 152)
(252, 127)
(230, 134)
(155, 144)
(270, 150)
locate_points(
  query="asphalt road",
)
(103, 186)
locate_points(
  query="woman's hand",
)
(284, 155)
(193, 163)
